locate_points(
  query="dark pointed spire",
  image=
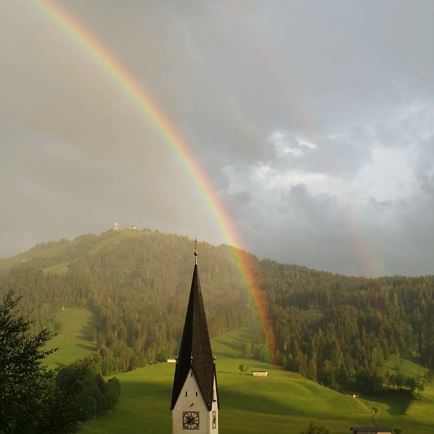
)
(195, 351)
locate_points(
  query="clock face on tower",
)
(190, 420)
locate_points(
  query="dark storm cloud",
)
(304, 228)
(407, 241)
(368, 218)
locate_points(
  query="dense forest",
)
(334, 329)
(340, 330)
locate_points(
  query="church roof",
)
(195, 351)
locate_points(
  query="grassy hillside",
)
(421, 409)
(55, 256)
(70, 341)
(282, 403)
(44, 253)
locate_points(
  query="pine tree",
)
(25, 384)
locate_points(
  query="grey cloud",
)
(311, 230)
(382, 206)
(240, 199)
(409, 248)
(349, 77)
(50, 189)
(338, 155)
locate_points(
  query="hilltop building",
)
(116, 227)
(195, 402)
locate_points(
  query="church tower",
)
(195, 402)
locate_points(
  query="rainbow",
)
(126, 81)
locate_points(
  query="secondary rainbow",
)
(292, 93)
(150, 110)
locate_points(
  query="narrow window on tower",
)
(214, 419)
(196, 393)
(185, 393)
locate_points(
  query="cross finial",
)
(195, 251)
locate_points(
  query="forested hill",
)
(340, 331)
(337, 330)
(136, 284)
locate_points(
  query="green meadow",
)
(70, 342)
(282, 403)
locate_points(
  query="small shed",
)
(371, 430)
(260, 373)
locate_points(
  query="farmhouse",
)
(371, 430)
(260, 373)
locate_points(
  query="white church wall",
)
(190, 399)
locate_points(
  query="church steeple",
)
(195, 353)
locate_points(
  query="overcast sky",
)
(314, 121)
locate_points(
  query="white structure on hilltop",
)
(195, 402)
(116, 227)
